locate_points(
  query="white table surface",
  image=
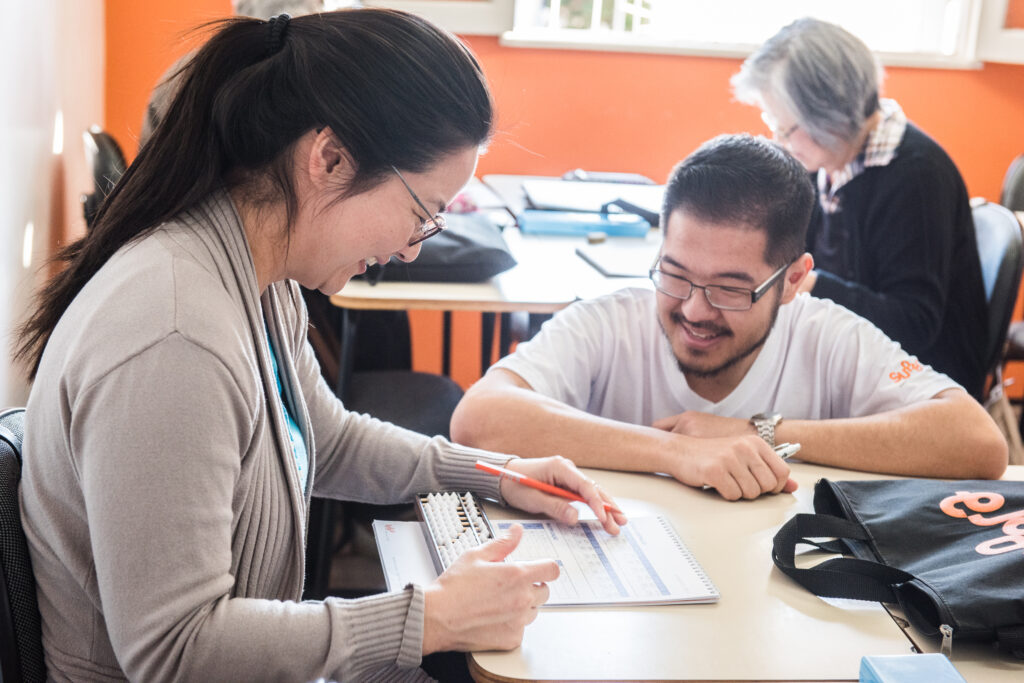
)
(765, 627)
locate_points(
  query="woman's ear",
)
(328, 161)
(798, 277)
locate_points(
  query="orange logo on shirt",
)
(1013, 522)
(906, 368)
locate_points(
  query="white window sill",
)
(583, 40)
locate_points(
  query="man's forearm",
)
(522, 422)
(950, 436)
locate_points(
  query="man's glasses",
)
(432, 224)
(773, 126)
(719, 296)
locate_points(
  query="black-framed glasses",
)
(773, 125)
(719, 296)
(432, 224)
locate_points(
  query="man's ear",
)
(795, 276)
(329, 162)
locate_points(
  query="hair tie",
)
(275, 33)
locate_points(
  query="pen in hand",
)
(533, 483)
(787, 450)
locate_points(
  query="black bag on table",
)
(471, 249)
(950, 553)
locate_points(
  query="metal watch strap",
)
(765, 424)
(766, 430)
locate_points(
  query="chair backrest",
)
(999, 246)
(21, 643)
(1012, 196)
(107, 163)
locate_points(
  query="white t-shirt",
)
(609, 357)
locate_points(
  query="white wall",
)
(51, 60)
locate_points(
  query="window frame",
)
(476, 17)
(995, 42)
(964, 58)
(983, 38)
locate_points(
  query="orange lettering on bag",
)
(1003, 544)
(976, 502)
(1013, 522)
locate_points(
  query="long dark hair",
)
(394, 89)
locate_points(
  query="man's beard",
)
(707, 373)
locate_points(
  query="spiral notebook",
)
(646, 564)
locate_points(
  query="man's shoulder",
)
(810, 321)
(807, 312)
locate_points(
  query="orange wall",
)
(143, 40)
(601, 111)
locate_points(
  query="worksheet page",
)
(646, 563)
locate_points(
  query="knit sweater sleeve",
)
(361, 458)
(904, 215)
(159, 490)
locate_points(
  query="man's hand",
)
(725, 455)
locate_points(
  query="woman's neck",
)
(262, 224)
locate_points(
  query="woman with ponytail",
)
(178, 423)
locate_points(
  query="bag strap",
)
(836, 578)
(629, 207)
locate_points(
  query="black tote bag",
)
(951, 553)
(471, 249)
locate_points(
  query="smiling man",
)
(701, 377)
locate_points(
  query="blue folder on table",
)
(532, 221)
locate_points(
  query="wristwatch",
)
(765, 424)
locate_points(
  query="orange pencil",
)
(539, 485)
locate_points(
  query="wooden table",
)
(765, 627)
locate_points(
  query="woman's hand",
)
(483, 603)
(560, 472)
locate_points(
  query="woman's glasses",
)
(432, 224)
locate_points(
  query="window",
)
(468, 17)
(1001, 31)
(904, 31)
(935, 33)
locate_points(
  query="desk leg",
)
(347, 352)
(486, 341)
(446, 344)
(505, 336)
(319, 548)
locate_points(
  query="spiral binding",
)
(688, 556)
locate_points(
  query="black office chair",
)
(999, 246)
(367, 357)
(107, 163)
(1012, 196)
(21, 641)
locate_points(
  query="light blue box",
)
(921, 668)
(537, 222)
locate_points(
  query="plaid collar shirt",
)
(879, 150)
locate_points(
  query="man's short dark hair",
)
(749, 182)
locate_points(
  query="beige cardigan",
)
(160, 497)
